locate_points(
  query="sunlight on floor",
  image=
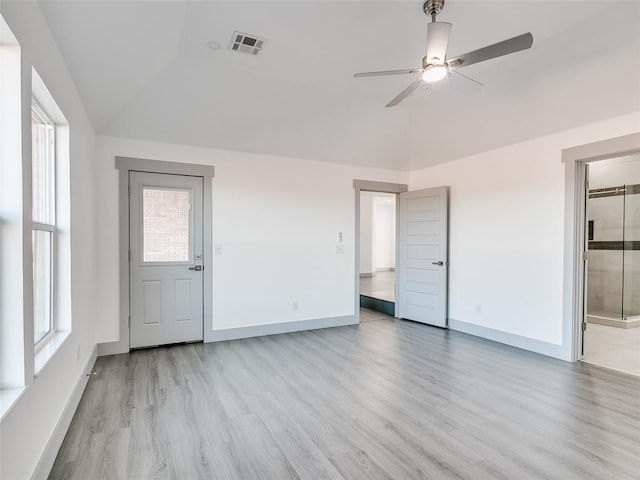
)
(611, 347)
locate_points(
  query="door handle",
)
(440, 263)
(197, 268)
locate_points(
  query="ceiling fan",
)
(436, 66)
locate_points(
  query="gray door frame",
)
(575, 160)
(377, 187)
(124, 166)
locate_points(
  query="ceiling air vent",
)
(241, 42)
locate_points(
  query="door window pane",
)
(165, 225)
(41, 244)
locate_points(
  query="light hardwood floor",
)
(368, 315)
(383, 400)
(382, 285)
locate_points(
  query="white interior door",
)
(165, 266)
(422, 264)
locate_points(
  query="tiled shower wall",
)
(632, 256)
(614, 256)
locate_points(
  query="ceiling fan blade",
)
(387, 72)
(471, 80)
(512, 45)
(437, 41)
(405, 93)
(463, 84)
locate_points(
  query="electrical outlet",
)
(478, 309)
(295, 306)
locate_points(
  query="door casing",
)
(379, 187)
(575, 160)
(124, 165)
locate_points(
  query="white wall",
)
(28, 433)
(367, 243)
(277, 220)
(385, 232)
(507, 236)
(615, 172)
(377, 232)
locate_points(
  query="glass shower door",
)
(605, 207)
(631, 260)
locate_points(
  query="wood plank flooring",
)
(368, 315)
(382, 400)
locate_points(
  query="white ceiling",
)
(144, 71)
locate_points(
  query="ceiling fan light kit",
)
(434, 73)
(436, 66)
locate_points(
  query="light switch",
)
(339, 237)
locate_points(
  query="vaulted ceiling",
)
(144, 70)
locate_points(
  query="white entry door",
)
(165, 266)
(422, 265)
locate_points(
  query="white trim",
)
(48, 457)
(46, 349)
(9, 398)
(284, 327)
(526, 343)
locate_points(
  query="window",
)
(165, 225)
(43, 239)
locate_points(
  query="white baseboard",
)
(113, 348)
(43, 468)
(277, 328)
(526, 343)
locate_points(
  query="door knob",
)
(197, 268)
(440, 263)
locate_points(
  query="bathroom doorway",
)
(378, 227)
(612, 294)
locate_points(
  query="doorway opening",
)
(420, 290)
(612, 272)
(377, 273)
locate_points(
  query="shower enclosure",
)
(613, 283)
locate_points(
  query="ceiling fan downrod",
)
(432, 8)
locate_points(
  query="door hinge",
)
(129, 256)
(584, 326)
(585, 256)
(586, 185)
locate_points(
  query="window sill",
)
(8, 398)
(48, 350)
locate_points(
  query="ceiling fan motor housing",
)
(432, 8)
